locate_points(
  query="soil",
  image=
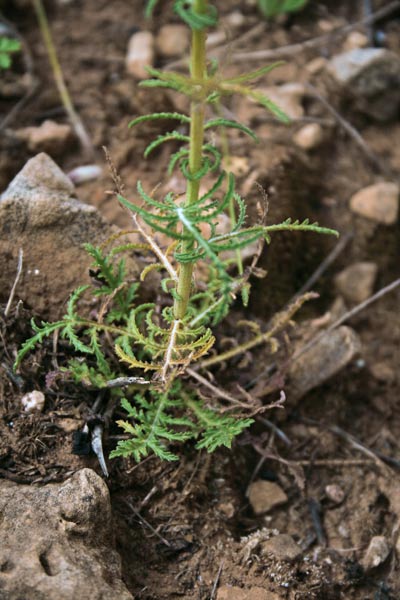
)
(186, 529)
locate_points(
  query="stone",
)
(331, 353)
(84, 174)
(356, 282)
(316, 65)
(33, 402)
(334, 493)
(231, 592)
(50, 137)
(265, 495)
(309, 137)
(57, 541)
(377, 552)
(281, 547)
(140, 54)
(355, 39)
(382, 372)
(235, 19)
(370, 79)
(173, 40)
(378, 202)
(39, 215)
(288, 97)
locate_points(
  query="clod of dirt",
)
(50, 137)
(281, 547)
(140, 54)
(322, 360)
(377, 552)
(356, 282)
(378, 202)
(370, 79)
(173, 40)
(228, 592)
(38, 214)
(33, 402)
(265, 495)
(58, 542)
(309, 137)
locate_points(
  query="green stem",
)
(198, 74)
(73, 116)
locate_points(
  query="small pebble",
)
(382, 372)
(316, 65)
(355, 39)
(334, 493)
(50, 137)
(33, 402)
(173, 40)
(356, 282)
(84, 174)
(377, 552)
(281, 547)
(309, 137)
(231, 592)
(265, 495)
(378, 202)
(140, 54)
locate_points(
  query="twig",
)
(315, 512)
(16, 280)
(332, 256)
(350, 129)
(220, 393)
(146, 523)
(292, 49)
(73, 116)
(217, 578)
(351, 313)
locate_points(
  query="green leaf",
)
(164, 115)
(272, 8)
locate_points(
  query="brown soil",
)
(196, 529)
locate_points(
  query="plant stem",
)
(198, 74)
(73, 116)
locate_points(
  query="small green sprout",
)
(8, 47)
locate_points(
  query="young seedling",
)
(8, 47)
(158, 341)
(273, 8)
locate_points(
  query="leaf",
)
(272, 8)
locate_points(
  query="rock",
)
(33, 402)
(355, 39)
(38, 214)
(316, 65)
(281, 547)
(309, 137)
(377, 552)
(228, 592)
(265, 495)
(378, 202)
(321, 361)
(58, 541)
(356, 282)
(235, 19)
(334, 493)
(84, 174)
(382, 372)
(50, 137)
(140, 54)
(288, 97)
(173, 40)
(370, 80)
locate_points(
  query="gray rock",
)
(265, 495)
(378, 202)
(356, 282)
(38, 214)
(58, 542)
(321, 361)
(377, 552)
(281, 547)
(370, 78)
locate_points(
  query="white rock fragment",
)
(265, 495)
(235, 19)
(84, 174)
(378, 202)
(140, 54)
(288, 97)
(50, 137)
(356, 282)
(335, 493)
(377, 552)
(309, 137)
(173, 40)
(33, 402)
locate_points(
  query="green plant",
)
(272, 8)
(8, 46)
(164, 338)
